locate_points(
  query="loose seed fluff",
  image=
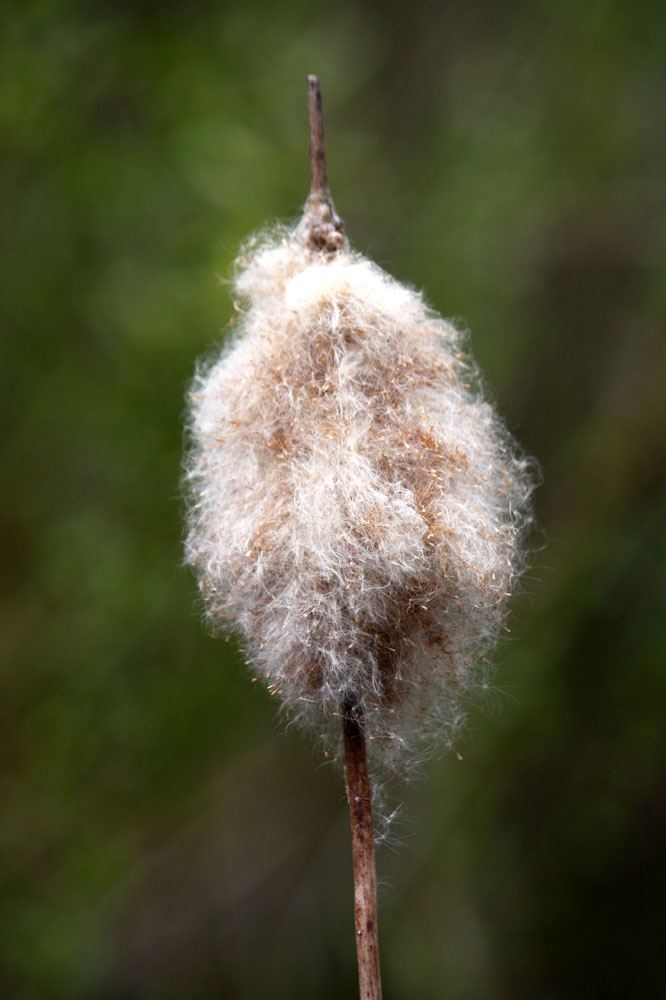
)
(356, 508)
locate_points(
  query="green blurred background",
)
(162, 835)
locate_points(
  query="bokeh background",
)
(162, 834)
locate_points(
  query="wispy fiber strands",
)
(356, 508)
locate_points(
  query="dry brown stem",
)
(363, 851)
(322, 227)
(317, 150)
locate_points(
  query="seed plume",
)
(356, 508)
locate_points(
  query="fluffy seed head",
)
(355, 507)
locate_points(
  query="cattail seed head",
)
(356, 508)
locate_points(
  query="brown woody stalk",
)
(322, 227)
(363, 851)
(324, 231)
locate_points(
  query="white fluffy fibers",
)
(356, 508)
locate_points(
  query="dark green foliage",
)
(161, 837)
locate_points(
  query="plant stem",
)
(363, 851)
(322, 228)
(317, 150)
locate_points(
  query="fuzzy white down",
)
(355, 507)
